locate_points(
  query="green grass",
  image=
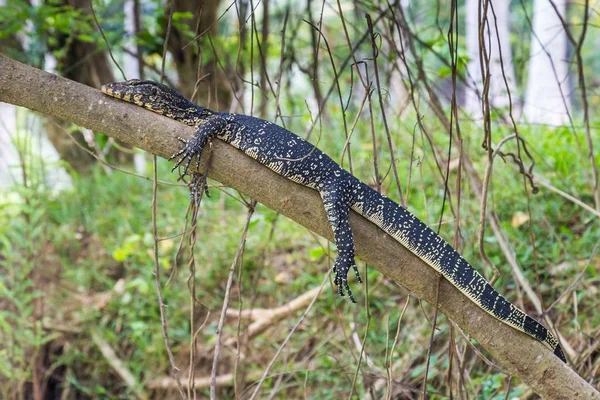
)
(59, 249)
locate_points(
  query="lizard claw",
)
(355, 268)
(193, 148)
(197, 182)
(341, 269)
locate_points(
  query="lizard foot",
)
(198, 182)
(193, 148)
(341, 268)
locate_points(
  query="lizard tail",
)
(420, 240)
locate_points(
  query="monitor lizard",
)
(296, 159)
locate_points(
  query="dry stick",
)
(316, 42)
(105, 40)
(581, 80)
(181, 236)
(362, 344)
(389, 369)
(263, 51)
(195, 202)
(366, 86)
(575, 281)
(451, 354)
(265, 318)
(556, 77)
(484, 64)
(517, 272)
(281, 62)
(336, 77)
(163, 317)
(539, 180)
(288, 337)
(477, 184)
(353, 127)
(453, 49)
(483, 204)
(368, 94)
(115, 362)
(381, 105)
(168, 383)
(520, 141)
(87, 107)
(111, 166)
(527, 175)
(238, 254)
(191, 281)
(435, 313)
(481, 355)
(388, 380)
(422, 76)
(345, 64)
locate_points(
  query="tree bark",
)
(523, 356)
(84, 63)
(194, 58)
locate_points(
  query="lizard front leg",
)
(338, 209)
(193, 147)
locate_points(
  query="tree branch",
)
(524, 357)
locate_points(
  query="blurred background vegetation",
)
(483, 112)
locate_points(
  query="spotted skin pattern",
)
(296, 159)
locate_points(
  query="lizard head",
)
(151, 95)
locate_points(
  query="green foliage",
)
(84, 258)
(23, 247)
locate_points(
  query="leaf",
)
(316, 253)
(519, 218)
(444, 71)
(86, 38)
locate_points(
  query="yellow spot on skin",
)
(127, 97)
(117, 95)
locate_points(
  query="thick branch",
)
(526, 358)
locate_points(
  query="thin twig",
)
(287, 339)
(435, 313)
(115, 362)
(382, 109)
(234, 263)
(389, 368)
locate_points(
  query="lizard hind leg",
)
(337, 209)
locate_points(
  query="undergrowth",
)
(80, 263)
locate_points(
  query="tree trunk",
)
(83, 63)
(194, 58)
